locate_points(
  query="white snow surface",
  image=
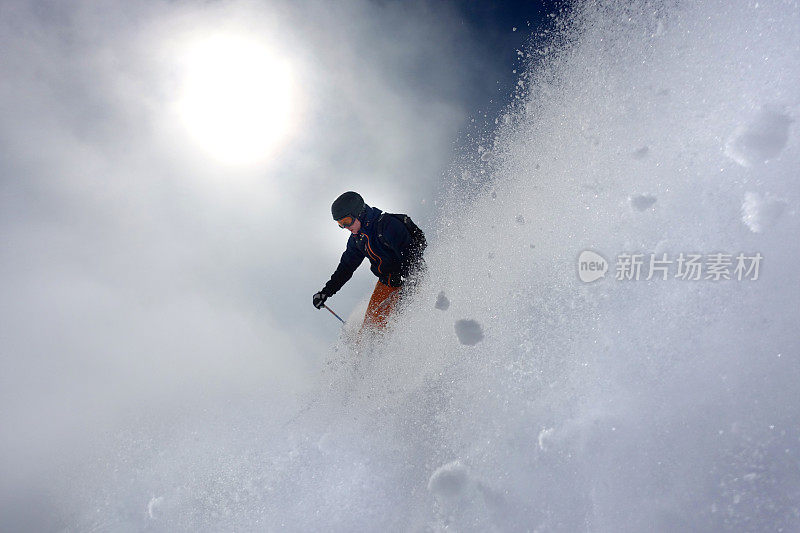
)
(761, 139)
(760, 212)
(609, 406)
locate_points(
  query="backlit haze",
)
(167, 173)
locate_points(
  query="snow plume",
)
(616, 405)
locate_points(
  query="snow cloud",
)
(142, 275)
(158, 342)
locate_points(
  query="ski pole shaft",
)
(334, 314)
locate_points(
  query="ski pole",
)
(334, 314)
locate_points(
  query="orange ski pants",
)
(381, 305)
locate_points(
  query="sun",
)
(236, 98)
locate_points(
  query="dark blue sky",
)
(491, 24)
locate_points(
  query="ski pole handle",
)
(334, 314)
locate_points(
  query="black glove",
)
(319, 299)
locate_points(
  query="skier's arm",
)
(351, 259)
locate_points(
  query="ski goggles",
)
(346, 222)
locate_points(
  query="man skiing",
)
(392, 243)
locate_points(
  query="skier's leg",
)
(381, 304)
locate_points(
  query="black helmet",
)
(348, 204)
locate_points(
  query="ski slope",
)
(510, 395)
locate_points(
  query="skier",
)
(394, 246)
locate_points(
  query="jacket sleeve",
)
(351, 259)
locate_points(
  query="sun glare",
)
(236, 98)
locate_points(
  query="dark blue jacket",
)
(385, 241)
